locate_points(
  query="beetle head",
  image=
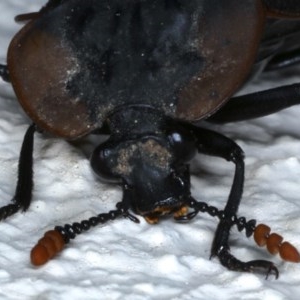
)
(156, 186)
(152, 170)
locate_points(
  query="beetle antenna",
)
(53, 241)
(261, 232)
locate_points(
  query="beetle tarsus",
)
(253, 266)
(8, 210)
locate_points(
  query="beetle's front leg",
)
(212, 143)
(4, 73)
(23, 193)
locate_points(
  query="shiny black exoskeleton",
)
(145, 72)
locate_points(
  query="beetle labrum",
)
(147, 72)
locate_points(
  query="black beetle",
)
(145, 72)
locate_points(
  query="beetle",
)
(147, 73)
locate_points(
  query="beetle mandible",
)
(146, 73)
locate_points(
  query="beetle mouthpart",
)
(182, 211)
(274, 243)
(153, 217)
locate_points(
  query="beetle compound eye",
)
(183, 145)
(274, 243)
(103, 162)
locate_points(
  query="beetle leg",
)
(284, 60)
(4, 74)
(22, 197)
(51, 4)
(212, 143)
(215, 144)
(282, 8)
(258, 104)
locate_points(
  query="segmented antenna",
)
(54, 240)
